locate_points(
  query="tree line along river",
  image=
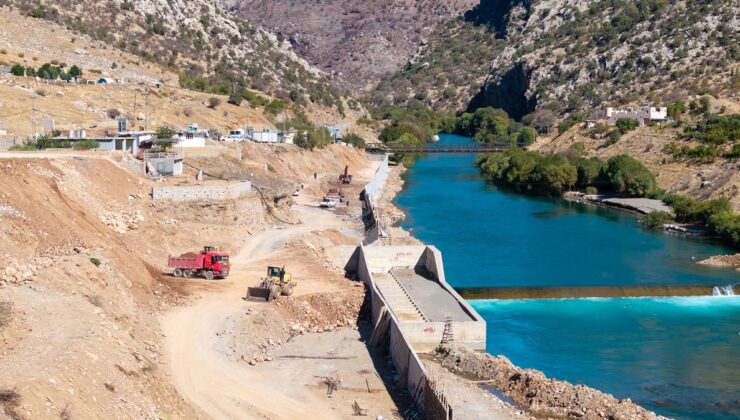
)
(677, 356)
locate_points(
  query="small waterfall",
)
(723, 290)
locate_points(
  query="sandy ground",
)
(201, 339)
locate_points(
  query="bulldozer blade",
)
(258, 294)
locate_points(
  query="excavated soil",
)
(532, 390)
(84, 282)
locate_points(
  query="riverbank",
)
(636, 205)
(531, 241)
(554, 398)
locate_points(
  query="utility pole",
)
(33, 117)
(146, 111)
(134, 121)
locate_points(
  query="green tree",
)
(30, 72)
(630, 177)
(17, 70)
(626, 124)
(317, 138)
(75, 71)
(165, 133)
(527, 136)
(235, 99)
(354, 140)
(676, 109)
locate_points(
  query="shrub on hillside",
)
(235, 99)
(354, 140)
(312, 139)
(629, 176)
(626, 124)
(655, 220)
(213, 102)
(17, 70)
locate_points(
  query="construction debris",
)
(332, 384)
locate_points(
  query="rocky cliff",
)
(572, 56)
(357, 42)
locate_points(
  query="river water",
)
(677, 356)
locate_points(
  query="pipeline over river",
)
(563, 292)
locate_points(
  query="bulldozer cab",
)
(274, 272)
(276, 283)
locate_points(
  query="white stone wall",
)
(201, 192)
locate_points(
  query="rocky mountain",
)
(355, 41)
(212, 49)
(572, 56)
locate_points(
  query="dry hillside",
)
(573, 56)
(92, 107)
(209, 48)
(82, 294)
(721, 178)
(357, 42)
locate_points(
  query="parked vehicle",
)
(208, 263)
(328, 202)
(346, 177)
(236, 135)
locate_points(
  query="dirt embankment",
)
(82, 285)
(541, 396)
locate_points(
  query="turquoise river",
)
(677, 356)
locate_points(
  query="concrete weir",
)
(564, 292)
(411, 301)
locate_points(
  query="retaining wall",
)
(411, 370)
(405, 338)
(199, 192)
(370, 195)
(426, 335)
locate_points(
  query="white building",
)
(191, 137)
(642, 115)
(267, 135)
(289, 137)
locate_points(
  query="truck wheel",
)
(177, 272)
(288, 290)
(187, 273)
(208, 275)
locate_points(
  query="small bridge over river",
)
(441, 148)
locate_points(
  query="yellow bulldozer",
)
(276, 283)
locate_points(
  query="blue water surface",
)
(491, 237)
(677, 356)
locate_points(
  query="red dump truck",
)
(207, 263)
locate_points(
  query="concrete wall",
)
(374, 188)
(407, 337)
(201, 192)
(424, 335)
(371, 194)
(405, 360)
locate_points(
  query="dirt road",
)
(202, 372)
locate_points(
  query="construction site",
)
(230, 292)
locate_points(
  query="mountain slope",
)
(210, 48)
(356, 41)
(578, 55)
